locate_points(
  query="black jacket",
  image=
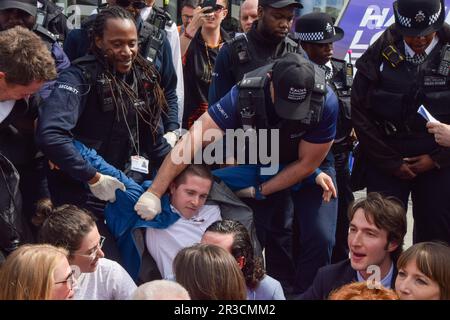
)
(13, 230)
(332, 277)
(367, 77)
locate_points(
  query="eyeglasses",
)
(187, 17)
(218, 7)
(70, 279)
(94, 253)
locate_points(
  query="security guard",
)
(306, 126)
(52, 18)
(267, 39)
(408, 66)
(111, 101)
(153, 45)
(317, 34)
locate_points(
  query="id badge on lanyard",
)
(139, 164)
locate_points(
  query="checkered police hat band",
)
(310, 36)
(420, 16)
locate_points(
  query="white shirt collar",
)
(385, 282)
(145, 12)
(6, 108)
(411, 53)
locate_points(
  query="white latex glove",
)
(105, 188)
(171, 138)
(148, 206)
(327, 185)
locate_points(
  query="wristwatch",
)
(258, 193)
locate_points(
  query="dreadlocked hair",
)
(151, 112)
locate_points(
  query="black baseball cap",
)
(293, 84)
(277, 4)
(29, 6)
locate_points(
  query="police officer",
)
(23, 13)
(153, 44)
(405, 68)
(306, 124)
(112, 102)
(317, 34)
(52, 18)
(267, 39)
(25, 64)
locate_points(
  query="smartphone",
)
(209, 3)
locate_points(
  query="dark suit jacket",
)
(331, 277)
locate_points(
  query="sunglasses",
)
(217, 8)
(134, 4)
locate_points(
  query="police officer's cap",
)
(317, 27)
(293, 83)
(279, 3)
(29, 6)
(418, 18)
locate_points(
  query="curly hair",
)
(242, 247)
(24, 57)
(361, 291)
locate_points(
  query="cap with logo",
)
(417, 18)
(317, 27)
(29, 6)
(277, 4)
(293, 83)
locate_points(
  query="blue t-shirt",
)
(226, 115)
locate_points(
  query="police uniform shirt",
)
(226, 115)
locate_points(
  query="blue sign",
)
(363, 22)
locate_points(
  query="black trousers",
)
(430, 193)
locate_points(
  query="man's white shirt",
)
(164, 244)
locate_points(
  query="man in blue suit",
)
(375, 240)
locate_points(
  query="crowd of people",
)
(103, 196)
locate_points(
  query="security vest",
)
(152, 33)
(341, 84)
(106, 127)
(245, 56)
(401, 90)
(256, 112)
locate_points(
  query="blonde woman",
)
(36, 272)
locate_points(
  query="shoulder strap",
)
(44, 34)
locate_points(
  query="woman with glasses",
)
(36, 272)
(75, 229)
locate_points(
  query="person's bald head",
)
(248, 14)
